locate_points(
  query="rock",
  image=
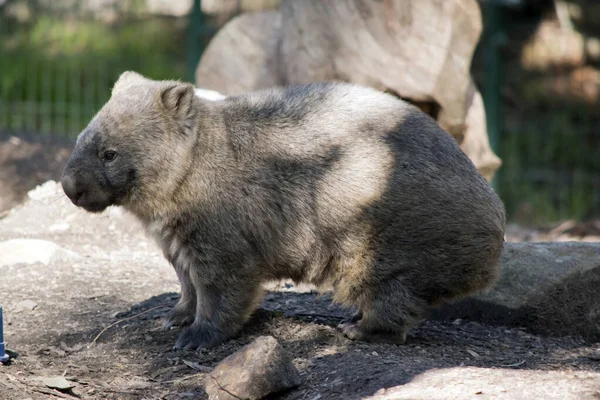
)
(498, 384)
(551, 288)
(255, 371)
(46, 190)
(475, 142)
(59, 383)
(553, 46)
(242, 56)
(25, 305)
(31, 251)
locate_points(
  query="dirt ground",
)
(93, 314)
(27, 161)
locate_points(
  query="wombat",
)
(330, 183)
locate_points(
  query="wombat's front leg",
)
(221, 311)
(184, 311)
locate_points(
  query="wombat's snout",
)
(84, 191)
(71, 188)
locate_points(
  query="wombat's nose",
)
(70, 188)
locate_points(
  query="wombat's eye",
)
(109, 155)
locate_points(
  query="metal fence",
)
(52, 96)
(57, 70)
(549, 143)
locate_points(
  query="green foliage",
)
(56, 72)
(551, 163)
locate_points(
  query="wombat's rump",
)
(333, 184)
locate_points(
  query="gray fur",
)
(333, 184)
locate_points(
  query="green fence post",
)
(493, 77)
(194, 47)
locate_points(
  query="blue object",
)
(3, 356)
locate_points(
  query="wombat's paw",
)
(177, 317)
(195, 337)
(350, 330)
(353, 331)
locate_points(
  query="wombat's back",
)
(449, 222)
(375, 179)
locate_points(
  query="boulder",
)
(243, 55)
(551, 288)
(475, 142)
(255, 371)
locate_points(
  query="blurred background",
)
(537, 65)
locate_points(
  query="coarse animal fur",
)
(333, 184)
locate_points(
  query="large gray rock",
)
(498, 384)
(257, 370)
(551, 288)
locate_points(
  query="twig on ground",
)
(51, 393)
(122, 320)
(515, 364)
(184, 378)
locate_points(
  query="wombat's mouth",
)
(94, 207)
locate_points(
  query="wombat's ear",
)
(178, 99)
(126, 79)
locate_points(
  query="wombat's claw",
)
(351, 330)
(194, 338)
(186, 342)
(177, 318)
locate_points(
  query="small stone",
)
(59, 383)
(473, 353)
(25, 305)
(255, 371)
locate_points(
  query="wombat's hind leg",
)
(387, 316)
(349, 322)
(185, 310)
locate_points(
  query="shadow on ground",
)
(135, 357)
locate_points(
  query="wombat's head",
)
(135, 146)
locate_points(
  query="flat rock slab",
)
(255, 371)
(551, 288)
(31, 251)
(497, 384)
